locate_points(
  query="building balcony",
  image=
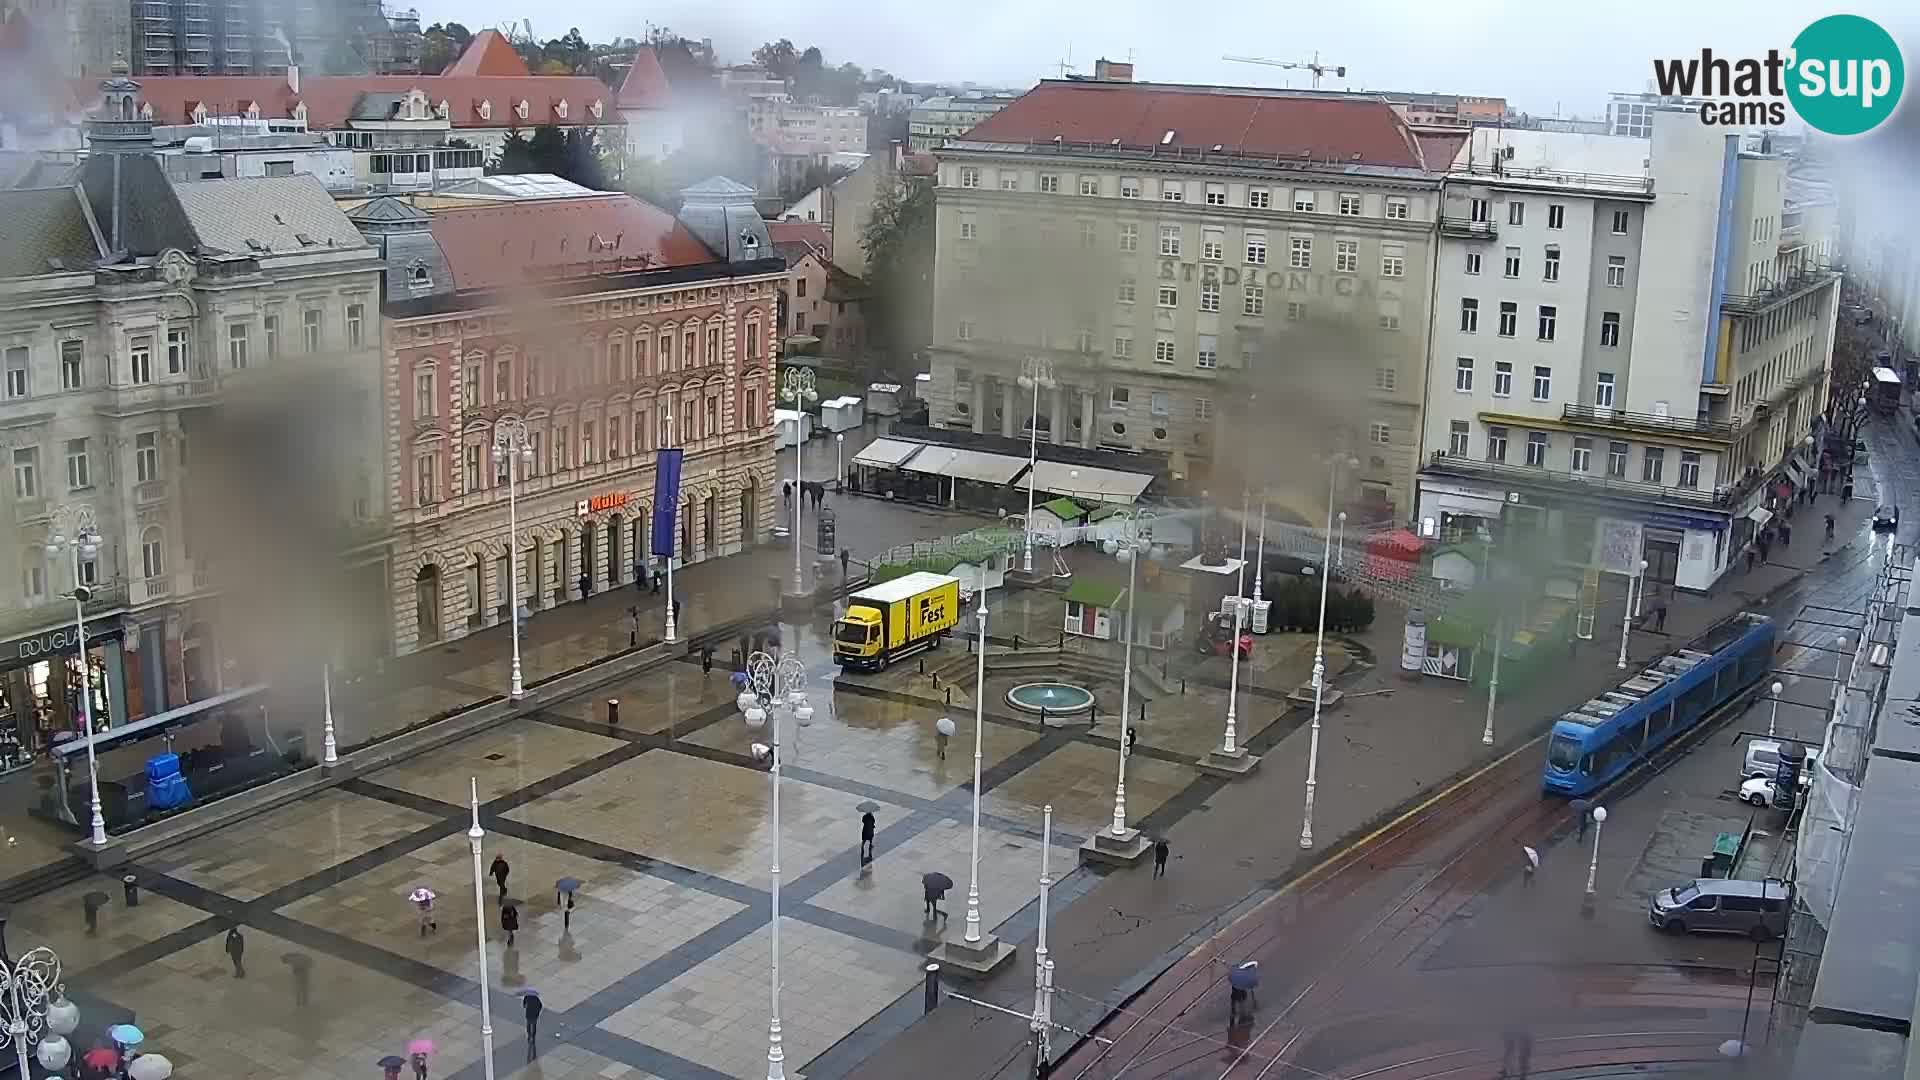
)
(1808, 280)
(1459, 228)
(107, 598)
(1651, 423)
(1579, 484)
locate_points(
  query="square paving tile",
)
(253, 857)
(1078, 779)
(655, 701)
(716, 1014)
(623, 919)
(504, 759)
(888, 892)
(57, 920)
(703, 815)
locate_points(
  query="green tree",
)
(898, 240)
(582, 162)
(516, 155)
(778, 57)
(548, 148)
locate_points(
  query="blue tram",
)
(1597, 741)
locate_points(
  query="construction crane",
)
(1319, 70)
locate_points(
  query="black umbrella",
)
(391, 1061)
(868, 807)
(936, 882)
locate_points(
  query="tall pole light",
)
(1037, 376)
(1042, 1028)
(1319, 647)
(1340, 543)
(331, 753)
(1230, 740)
(82, 541)
(839, 461)
(1593, 864)
(972, 937)
(1260, 550)
(673, 536)
(30, 987)
(511, 446)
(1628, 611)
(1640, 592)
(475, 836)
(772, 686)
(1839, 672)
(1493, 678)
(1774, 714)
(798, 389)
(1135, 542)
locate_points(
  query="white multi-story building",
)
(1631, 338)
(937, 119)
(1166, 248)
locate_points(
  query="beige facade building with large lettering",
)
(1164, 250)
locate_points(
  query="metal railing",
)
(1788, 288)
(1639, 421)
(1457, 226)
(1595, 483)
(1608, 181)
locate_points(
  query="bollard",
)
(923, 665)
(132, 886)
(613, 712)
(1016, 643)
(1143, 712)
(1043, 716)
(949, 695)
(933, 987)
(1183, 686)
(936, 676)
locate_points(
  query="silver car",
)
(1757, 909)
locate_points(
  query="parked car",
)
(1886, 518)
(1762, 759)
(1757, 909)
(1757, 790)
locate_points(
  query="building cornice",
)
(580, 290)
(1225, 166)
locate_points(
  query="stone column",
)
(1057, 416)
(979, 406)
(1086, 418)
(1009, 405)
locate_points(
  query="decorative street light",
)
(474, 837)
(1136, 541)
(1774, 713)
(972, 937)
(1260, 550)
(1229, 742)
(1840, 677)
(1319, 644)
(774, 685)
(1042, 988)
(839, 461)
(331, 754)
(511, 444)
(1593, 864)
(81, 540)
(798, 388)
(29, 990)
(1037, 376)
(1626, 616)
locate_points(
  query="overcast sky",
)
(1542, 57)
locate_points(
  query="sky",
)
(1543, 56)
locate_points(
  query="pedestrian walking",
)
(1750, 557)
(1786, 535)
(1660, 615)
(940, 744)
(499, 869)
(933, 902)
(658, 577)
(845, 557)
(302, 967)
(1516, 1057)
(586, 586)
(1133, 736)
(1829, 526)
(1529, 865)
(419, 1060)
(237, 951)
(633, 625)
(786, 493)
(531, 1006)
(509, 922)
(706, 660)
(1237, 1004)
(1582, 817)
(640, 576)
(676, 610)
(1160, 857)
(867, 825)
(422, 898)
(566, 916)
(1846, 492)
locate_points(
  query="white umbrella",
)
(150, 1067)
(944, 726)
(1533, 857)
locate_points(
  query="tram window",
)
(1694, 702)
(1663, 717)
(1563, 751)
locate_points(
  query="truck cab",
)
(896, 618)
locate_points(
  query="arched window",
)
(153, 552)
(690, 348)
(640, 339)
(617, 359)
(665, 354)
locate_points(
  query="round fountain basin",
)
(1052, 698)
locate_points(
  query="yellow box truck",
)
(897, 618)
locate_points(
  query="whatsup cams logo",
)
(1843, 75)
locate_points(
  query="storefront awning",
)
(1797, 472)
(958, 464)
(1086, 481)
(887, 453)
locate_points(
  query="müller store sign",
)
(55, 642)
(614, 501)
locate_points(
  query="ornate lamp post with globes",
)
(797, 388)
(511, 446)
(74, 534)
(774, 686)
(1118, 843)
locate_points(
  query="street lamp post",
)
(475, 836)
(331, 746)
(1319, 645)
(798, 388)
(83, 543)
(1627, 613)
(972, 937)
(1137, 541)
(1042, 1005)
(839, 461)
(774, 685)
(29, 988)
(1038, 375)
(1229, 740)
(1493, 677)
(1840, 678)
(510, 445)
(1260, 550)
(1774, 713)
(1593, 864)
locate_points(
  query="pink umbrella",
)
(420, 1046)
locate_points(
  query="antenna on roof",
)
(1066, 64)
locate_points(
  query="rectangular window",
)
(1216, 194)
(1303, 202)
(964, 332)
(1616, 271)
(177, 348)
(1202, 408)
(1542, 383)
(1300, 252)
(1380, 433)
(1397, 208)
(1296, 310)
(1118, 397)
(1253, 300)
(270, 324)
(1556, 216)
(1479, 211)
(1173, 191)
(423, 404)
(1609, 329)
(1513, 262)
(1257, 248)
(1170, 240)
(1163, 351)
(1389, 322)
(423, 479)
(1009, 181)
(1349, 205)
(1689, 469)
(17, 372)
(1537, 449)
(1213, 244)
(1582, 459)
(26, 472)
(1049, 184)
(1603, 390)
(969, 178)
(1169, 296)
(1469, 316)
(1551, 269)
(1128, 289)
(1549, 320)
(1160, 404)
(1346, 256)
(356, 325)
(1122, 347)
(153, 556)
(237, 344)
(79, 473)
(470, 387)
(470, 468)
(1385, 378)
(1652, 460)
(1617, 460)
(1509, 319)
(502, 380)
(1457, 435)
(1393, 260)
(140, 361)
(72, 372)
(1620, 223)
(1129, 187)
(1083, 342)
(1463, 375)
(1208, 354)
(1129, 237)
(1516, 213)
(969, 230)
(1473, 262)
(586, 441)
(1089, 185)
(146, 457)
(310, 329)
(1502, 379)
(1259, 198)
(1210, 296)
(1496, 443)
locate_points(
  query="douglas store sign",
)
(54, 642)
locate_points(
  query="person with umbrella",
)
(509, 920)
(1532, 864)
(417, 1052)
(422, 900)
(867, 826)
(499, 869)
(563, 891)
(391, 1065)
(531, 1006)
(1242, 982)
(237, 951)
(936, 885)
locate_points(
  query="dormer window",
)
(146, 110)
(199, 113)
(521, 109)
(417, 106)
(596, 109)
(253, 110)
(485, 109)
(300, 111)
(442, 110)
(560, 109)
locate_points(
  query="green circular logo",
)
(1846, 76)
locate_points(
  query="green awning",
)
(1064, 509)
(1104, 594)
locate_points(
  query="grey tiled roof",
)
(271, 211)
(40, 227)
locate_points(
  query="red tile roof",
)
(1439, 147)
(504, 244)
(489, 53)
(1353, 130)
(645, 86)
(330, 98)
(800, 232)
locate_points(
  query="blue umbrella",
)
(1246, 976)
(126, 1035)
(564, 886)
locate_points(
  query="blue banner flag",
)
(666, 500)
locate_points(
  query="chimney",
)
(293, 78)
(1106, 70)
